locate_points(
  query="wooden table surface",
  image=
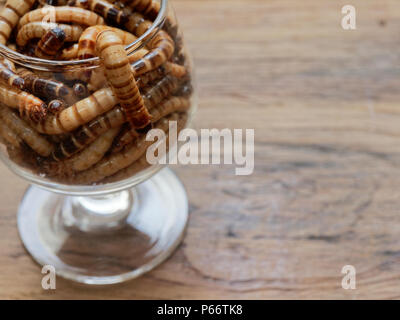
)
(325, 106)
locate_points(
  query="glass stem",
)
(97, 213)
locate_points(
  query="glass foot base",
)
(95, 248)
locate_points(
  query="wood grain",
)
(325, 192)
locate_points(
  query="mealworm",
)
(88, 133)
(87, 41)
(8, 76)
(126, 136)
(27, 104)
(107, 10)
(62, 14)
(142, 162)
(9, 135)
(10, 15)
(50, 43)
(38, 29)
(46, 88)
(69, 53)
(161, 45)
(160, 90)
(120, 77)
(79, 113)
(129, 171)
(98, 78)
(94, 152)
(150, 9)
(174, 104)
(176, 70)
(53, 2)
(117, 161)
(38, 143)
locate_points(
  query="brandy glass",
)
(112, 228)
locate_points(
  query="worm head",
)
(55, 106)
(38, 113)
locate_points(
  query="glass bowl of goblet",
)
(97, 210)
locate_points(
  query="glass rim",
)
(45, 64)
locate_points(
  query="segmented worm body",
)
(10, 14)
(142, 162)
(46, 88)
(39, 29)
(88, 133)
(87, 41)
(118, 161)
(69, 53)
(79, 113)
(150, 10)
(50, 43)
(120, 77)
(27, 104)
(161, 89)
(62, 14)
(174, 104)
(53, 2)
(105, 9)
(94, 152)
(8, 76)
(161, 45)
(9, 135)
(23, 130)
(98, 79)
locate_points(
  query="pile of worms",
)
(87, 125)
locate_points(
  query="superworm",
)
(62, 14)
(161, 45)
(150, 9)
(10, 14)
(50, 43)
(53, 2)
(9, 135)
(98, 78)
(88, 133)
(111, 119)
(174, 104)
(69, 53)
(8, 76)
(94, 152)
(46, 88)
(38, 29)
(117, 161)
(121, 78)
(161, 89)
(38, 143)
(79, 113)
(107, 10)
(87, 41)
(142, 162)
(27, 104)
